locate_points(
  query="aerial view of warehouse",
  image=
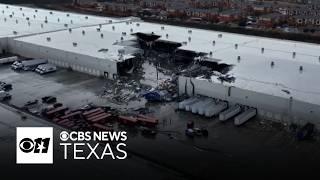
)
(194, 103)
(237, 69)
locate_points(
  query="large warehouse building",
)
(275, 76)
(19, 21)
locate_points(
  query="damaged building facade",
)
(276, 77)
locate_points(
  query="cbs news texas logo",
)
(34, 145)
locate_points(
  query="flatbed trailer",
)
(92, 111)
(127, 120)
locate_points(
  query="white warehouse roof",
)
(16, 21)
(253, 71)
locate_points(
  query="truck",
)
(7, 60)
(4, 96)
(46, 68)
(28, 65)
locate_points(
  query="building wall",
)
(269, 107)
(77, 62)
(3, 44)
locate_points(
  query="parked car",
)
(28, 65)
(46, 68)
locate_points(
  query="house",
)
(229, 15)
(302, 20)
(269, 20)
(205, 14)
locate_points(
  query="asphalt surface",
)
(255, 149)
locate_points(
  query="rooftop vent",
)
(29, 23)
(20, 9)
(162, 27)
(121, 38)
(138, 24)
(15, 32)
(100, 25)
(71, 21)
(110, 21)
(294, 54)
(184, 42)
(272, 64)
(236, 46)
(210, 53)
(262, 50)
(41, 25)
(51, 12)
(27, 18)
(58, 19)
(190, 31)
(189, 38)
(7, 7)
(48, 39)
(68, 15)
(113, 28)
(239, 58)
(65, 25)
(34, 16)
(70, 30)
(127, 23)
(23, 14)
(35, 10)
(124, 33)
(213, 43)
(101, 35)
(219, 35)
(17, 21)
(10, 16)
(86, 17)
(167, 35)
(83, 32)
(98, 29)
(131, 30)
(301, 68)
(46, 21)
(5, 19)
(75, 44)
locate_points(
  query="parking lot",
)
(256, 146)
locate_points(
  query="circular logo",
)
(26, 145)
(64, 136)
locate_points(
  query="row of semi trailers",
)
(211, 107)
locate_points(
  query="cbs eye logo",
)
(39, 145)
(34, 145)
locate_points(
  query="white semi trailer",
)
(229, 113)
(189, 105)
(215, 109)
(182, 105)
(195, 107)
(7, 60)
(245, 116)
